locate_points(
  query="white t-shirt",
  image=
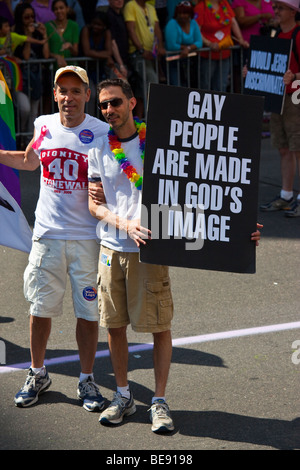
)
(122, 197)
(62, 209)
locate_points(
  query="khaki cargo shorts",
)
(50, 264)
(130, 292)
(285, 127)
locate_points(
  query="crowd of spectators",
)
(120, 34)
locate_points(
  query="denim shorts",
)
(45, 277)
(133, 293)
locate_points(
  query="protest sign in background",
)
(268, 61)
(201, 178)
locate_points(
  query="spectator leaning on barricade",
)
(63, 34)
(285, 127)
(145, 41)
(9, 41)
(218, 28)
(96, 43)
(254, 18)
(119, 35)
(28, 98)
(182, 34)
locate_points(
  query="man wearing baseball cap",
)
(81, 73)
(64, 235)
(285, 127)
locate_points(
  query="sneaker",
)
(160, 417)
(35, 384)
(89, 394)
(295, 209)
(118, 408)
(277, 204)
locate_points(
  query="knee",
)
(162, 336)
(115, 333)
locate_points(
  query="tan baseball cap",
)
(81, 73)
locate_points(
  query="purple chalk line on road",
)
(176, 342)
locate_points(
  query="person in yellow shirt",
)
(145, 42)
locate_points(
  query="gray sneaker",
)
(277, 204)
(90, 395)
(295, 210)
(34, 385)
(160, 417)
(118, 408)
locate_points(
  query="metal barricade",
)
(185, 65)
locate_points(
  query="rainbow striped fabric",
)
(14, 71)
(8, 176)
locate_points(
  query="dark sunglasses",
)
(115, 103)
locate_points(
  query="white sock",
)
(125, 391)
(286, 194)
(298, 197)
(83, 376)
(158, 398)
(39, 370)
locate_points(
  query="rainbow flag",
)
(15, 231)
(14, 70)
(8, 176)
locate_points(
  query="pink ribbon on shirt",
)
(40, 139)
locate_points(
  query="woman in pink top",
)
(251, 15)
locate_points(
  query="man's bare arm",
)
(20, 160)
(132, 227)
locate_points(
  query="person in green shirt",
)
(63, 34)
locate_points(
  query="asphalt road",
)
(233, 385)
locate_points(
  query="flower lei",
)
(217, 16)
(118, 152)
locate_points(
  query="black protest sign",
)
(200, 186)
(268, 62)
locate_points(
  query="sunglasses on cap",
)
(185, 4)
(114, 103)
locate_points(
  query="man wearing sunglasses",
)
(130, 292)
(285, 127)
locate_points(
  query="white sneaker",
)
(160, 417)
(118, 408)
